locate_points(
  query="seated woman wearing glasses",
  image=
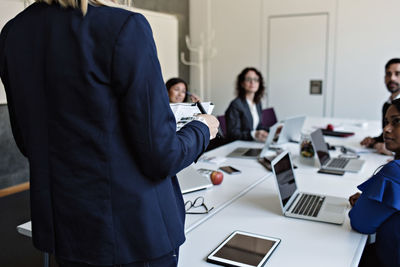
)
(377, 208)
(244, 114)
(177, 91)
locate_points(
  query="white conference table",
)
(257, 210)
(249, 202)
(232, 187)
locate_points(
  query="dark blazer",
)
(385, 107)
(90, 111)
(239, 121)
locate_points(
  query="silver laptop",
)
(291, 130)
(303, 205)
(190, 180)
(248, 152)
(326, 162)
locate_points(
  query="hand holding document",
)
(186, 112)
(212, 159)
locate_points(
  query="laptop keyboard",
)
(309, 205)
(338, 163)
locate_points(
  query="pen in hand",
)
(201, 108)
(203, 111)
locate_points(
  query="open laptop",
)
(303, 205)
(326, 162)
(190, 180)
(291, 130)
(248, 152)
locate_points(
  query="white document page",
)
(185, 112)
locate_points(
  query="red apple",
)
(216, 177)
(329, 127)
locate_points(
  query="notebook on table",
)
(326, 162)
(336, 133)
(315, 207)
(190, 180)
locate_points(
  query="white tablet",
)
(243, 249)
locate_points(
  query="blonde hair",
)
(82, 4)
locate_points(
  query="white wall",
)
(238, 46)
(237, 40)
(202, 16)
(362, 36)
(164, 26)
(368, 36)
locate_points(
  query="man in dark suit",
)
(89, 110)
(392, 81)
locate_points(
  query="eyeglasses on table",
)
(197, 203)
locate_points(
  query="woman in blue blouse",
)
(377, 208)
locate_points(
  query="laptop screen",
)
(320, 146)
(291, 130)
(272, 136)
(285, 177)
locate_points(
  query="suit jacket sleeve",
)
(4, 77)
(150, 123)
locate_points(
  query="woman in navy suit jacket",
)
(377, 209)
(244, 114)
(89, 109)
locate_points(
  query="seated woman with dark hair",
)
(377, 208)
(244, 114)
(177, 91)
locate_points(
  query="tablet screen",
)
(244, 249)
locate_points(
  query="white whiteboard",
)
(165, 31)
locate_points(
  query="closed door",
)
(297, 64)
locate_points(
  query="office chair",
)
(222, 123)
(268, 117)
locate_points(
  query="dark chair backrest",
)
(268, 117)
(222, 123)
